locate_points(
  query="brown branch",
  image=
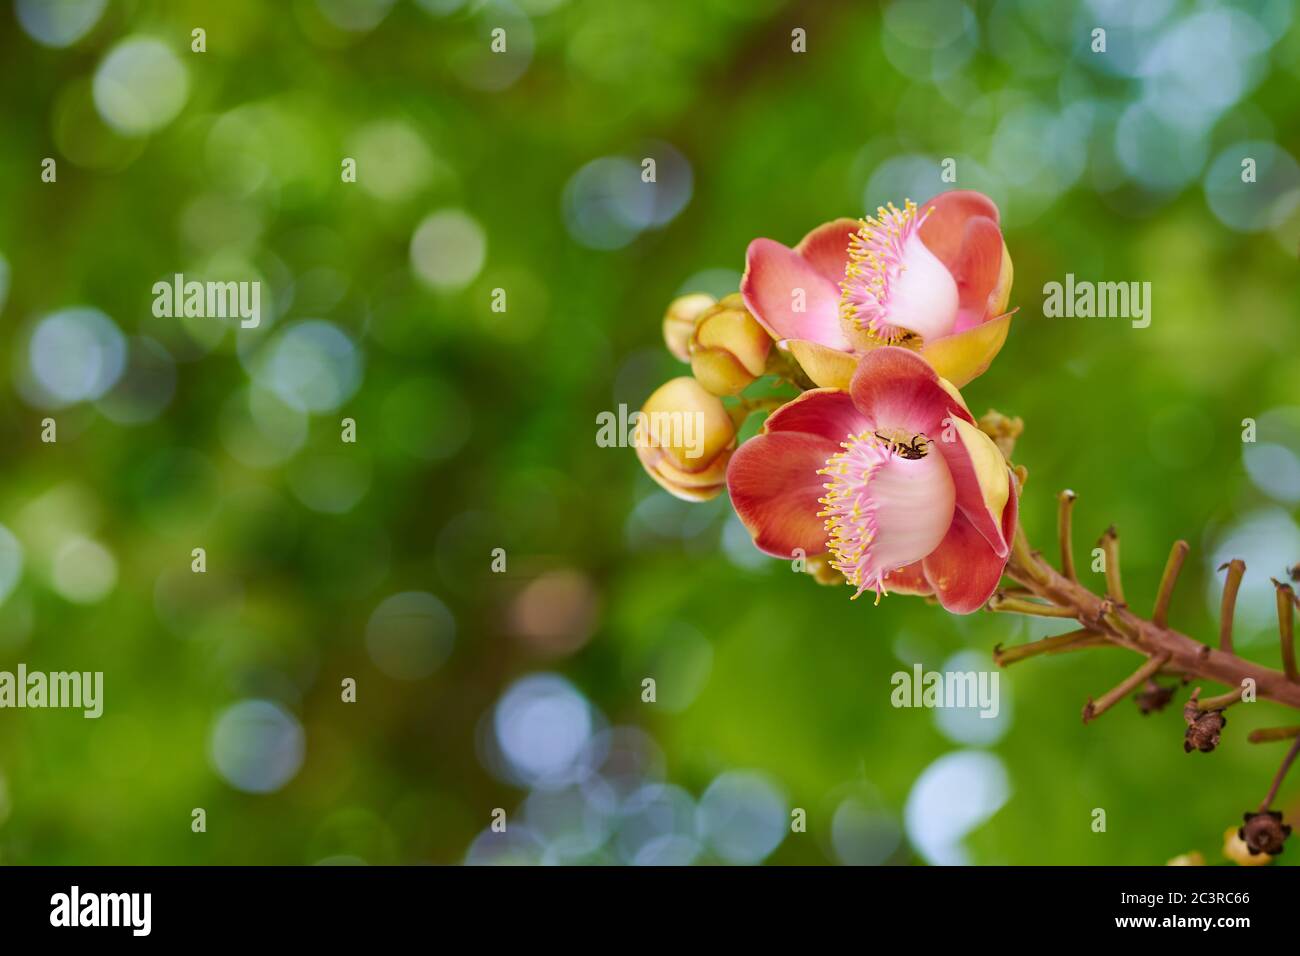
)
(1094, 709)
(1228, 605)
(1177, 554)
(1119, 624)
(1015, 605)
(1222, 701)
(1016, 592)
(1109, 544)
(1269, 734)
(1060, 644)
(1281, 773)
(1066, 501)
(1286, 627)
(1023, 556)
(1186, 656)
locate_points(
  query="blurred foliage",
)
(1144, 424)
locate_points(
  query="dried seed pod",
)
(1154, 697)
(1264, 832)
(1203, 728)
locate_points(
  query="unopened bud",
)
(684, 439)
(679, 322)
(729, 348)
(1003, 430)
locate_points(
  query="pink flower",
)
(935, 279)
(892, 477)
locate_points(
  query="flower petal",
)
(963, 570)
(909, 580)
(1001, 293)
(884, 511)
(944, 228)
(983, 481)
(827, 367)
(976, 269)
(895, 388)
(775, 280)
(698, 485)
(827, 412)
(965, 356)
(826, 248)
(924, 297)
(1011, 513)
(913, 504)
(775, 489)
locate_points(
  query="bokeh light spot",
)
(58, 23)
(140, 86)
(953, 796)
(542, 724)
(83, 571)
(76, 355)
(556, 612)
(448, 250)
(11, 563)
(742, 816)
(257, 746)
(410, 635)
(312, 366)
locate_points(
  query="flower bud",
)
(684, 438)
(729, 348)
(679, 322)
(1194, 858)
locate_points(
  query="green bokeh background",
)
(1145, 424)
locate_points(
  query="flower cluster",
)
(877, 469)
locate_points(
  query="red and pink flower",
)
(891, 477)
(935, 279)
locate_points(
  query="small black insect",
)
(914, 449)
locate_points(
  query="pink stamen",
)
(894, 286)
(876, 253)
(889, 502)
(850, 512)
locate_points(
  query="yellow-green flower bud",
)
(684, 439)
(729, 348)
(679, 322)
